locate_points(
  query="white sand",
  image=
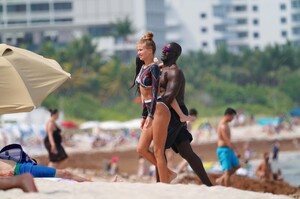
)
(90, 190)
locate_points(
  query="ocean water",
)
(288, 163)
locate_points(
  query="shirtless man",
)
(172, 86)
(227, 153)
(264, 169)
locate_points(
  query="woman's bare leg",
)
(144, 144)
(147, 137)
(24, 182)
(160, 128)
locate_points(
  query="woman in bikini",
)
(156, 114)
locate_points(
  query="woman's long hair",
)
(138, 65)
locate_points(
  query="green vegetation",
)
(256, 81)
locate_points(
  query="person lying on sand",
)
(11, 168)
(24, 182)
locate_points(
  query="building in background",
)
(33, 21)
(239, 24)
(195, 24)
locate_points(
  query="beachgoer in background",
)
(278, 175)
(24, 182)
(142, 167)
(251, 119)
(113, 166)
(241, 117)
(227, 152)
(172, 87)
(12, 168)
(247, 153)
(193, 114)
(275, 150)
(152, 171)
(53, 142)
(264, 169)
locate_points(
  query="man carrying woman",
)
(172, 88)
(156, 114)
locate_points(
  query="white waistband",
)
(150, 100)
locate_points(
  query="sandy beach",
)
(88, 162)
(70, 190)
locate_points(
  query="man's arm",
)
(175, 78)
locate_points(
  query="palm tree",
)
(122, 29)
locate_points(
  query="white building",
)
(63, 20)
(195, 24)
(205, 24)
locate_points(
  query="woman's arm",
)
(144, 112)
(155, 73)
(183, 117)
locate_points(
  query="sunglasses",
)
(166, 49)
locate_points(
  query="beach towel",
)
(16, 153)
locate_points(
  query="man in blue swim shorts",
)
(227, 153)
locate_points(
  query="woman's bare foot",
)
(172, 175)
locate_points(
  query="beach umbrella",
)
(69, 125)
(26, 79)
(89, 125)
(111, 125)
(132, 124)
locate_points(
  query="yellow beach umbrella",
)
(26, 79)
